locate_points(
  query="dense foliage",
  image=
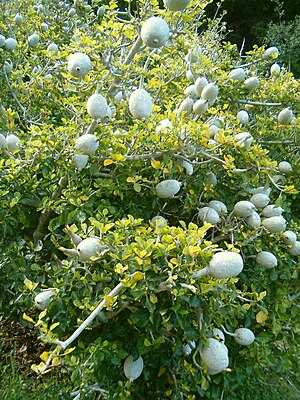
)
(78, 198)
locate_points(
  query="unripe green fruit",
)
(2, 40)
(52, 48)
(272, 210)
(188, 167)
(214, 356)
(43, 299)
(243, 208)
(12, 142)
(211, 178)
(210, 92)
(79, 65)
(295, 249)
(80, 160)
(285, 167)
(10, 44)
(218, 206)
(266, 259)
(285, 116)
(260, 189)
(271, 52)
(97, 106)
(7, 66)
(101, 11)
(176, 5)
(225, 264)
(243, 117)
(253, 220)
(140, 104)
(200, 107)
(289, 237)
(44, 27)
(72, 12)
(219, 334)
(133, 369)
(260, 200)
(251, 83)
(244, 139)
(33, 40)
(237, 74)
(18, 19)
(87, 144)
(275, 69)
(209, 215)
(190, 91)
(274, 224)
(155, 32)
(200, 84)
(158, 221)
(167, 188)
(89, 248)
(186, 106)
(244, 336)
(3, 142)
(190, 76)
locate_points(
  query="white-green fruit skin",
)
(289, 237)
(254, 220)
(210, 92)
(271, 52)
(200, 84)
(272, 210)
(219, 334)
(97, 106)
(167, 188)
(188, 167)
(158, 221)
(44, 27)
(237, 74)
(43, 299)
(87, 144)
(285, 116)
(244, 336)
(186, 106)
(251, 83)
(266, 259)
(211, 178)
(243, 117)
(89, 248)
(79, 64)
(176, 5)
(200, 107)
(3, 142)
(295, 249)
(275, 69)
(140, 104)
(285, 167)
(260, 200)
(155, 32)
(219, 206)
(244, 139)
(2, 40)
(33, 40)
(133, 369)
(214, 356)
(207, 214)
(80, 160)
(243, 208)
(7, 66)
(18, 19)
(190, 76)
(12, 142)
(190, 91)
(52, 48)
(225, 264)
(274, 224)
(10, 44)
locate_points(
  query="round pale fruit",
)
(200, 107)
(89, 248)
(200, 84)
(87, 144)
(158, 221)
(275, 69)
(190, 91)
(285, 116)
(155, 32)
(43, 299)
(79, 65)
(167, 188)
(254, 220)
(289, 237)
(285, 167)
(186, 106)
(295, 249)
(97, 106)
(80, 160)
(12, 142)
(272, 210)
(243, 117)
(266, 259)
(244, 336)
(10, 43)
(18, 19)
(210, 92)
(251, 83)
(207, 214)
(260, 200)
(237, 74)
(219, 206)
(244, 139)
(244, 208)
(33, 40)
(225, 264)
(52, 48)
(275, 224)
(2, 40)
(140, 104)
(133, 369)
(271, 52)
(176, 5)
(214, 356)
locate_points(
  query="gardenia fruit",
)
(237, 74)
(251, 83)
(80, 160)
(3, 142)
(155, 32)
(43, 299)
(244, 336)
(218, 206)
(167, 188)
(89, 248)
(244, 139)
(87, 144)
(200, 84)
(214, 356)
(243, 208)
(33, 40)
(52, 48)
(97, 106)
(18, 19)
(285, 116)
(210, 92)
(254, 220)
(186, 106)
(225, 264)
(207, 214)
(272, 210)
(79, 65)
(10, 43)
(274, 224)
(266, 259)
(140, 104)
(133, 369)
(260, 200)
(176, 5)
(243, 117)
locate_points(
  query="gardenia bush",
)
(130, 239)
